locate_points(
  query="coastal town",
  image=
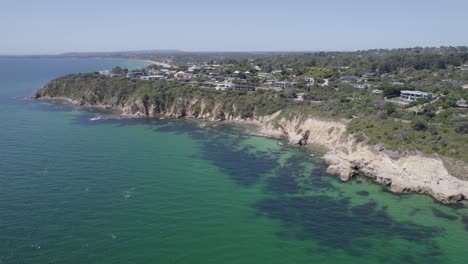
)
(227, 77)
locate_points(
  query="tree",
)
(419, 124)
(318, 72)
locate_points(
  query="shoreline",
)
(346, 158)
(164, 65)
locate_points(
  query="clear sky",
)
(52, 26)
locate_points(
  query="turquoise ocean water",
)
(74, 190)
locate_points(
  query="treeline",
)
(381, 61)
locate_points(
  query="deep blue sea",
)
(74, 189)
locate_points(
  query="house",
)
(309, 80)
(244, 87)
(236, 72)
(179, 74)
(154, 72)
(351, 79)
(208, 84)
(257, 68)
(224, 86)
(465, 86)
(153, 77)
(200, 76)
(284, 85)
(377, 91)
(187, 75)
(414, 95)
(193, 68)
(462, 103)
(264, 75)
(362, 85)
(218, 78)
(277, 72)
(369, 75)
(105, 73)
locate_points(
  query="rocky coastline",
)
(346, 158)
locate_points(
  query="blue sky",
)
(50, 26)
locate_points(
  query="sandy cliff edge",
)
(410, 173)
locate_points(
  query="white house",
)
(309, 80)
(465, 86)
(377, 91)
(153, 77)
(414, 95)
(224, 86)
(462, 103)
(179, 74)
(264, 75)
(193, 68)
(362, 85)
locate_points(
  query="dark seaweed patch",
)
(363, 193)
(221, 147)
(243, 166)
(359, 182)
(441, 214)
(293, 177)
(414, 211)
(334, 223)
(465, 222)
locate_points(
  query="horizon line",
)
(138, 52)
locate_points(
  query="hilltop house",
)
(187, 75)
(465, 86)
(199, 76)
(362, 85)
(218, 78)
(462, 103)
(351, 79)
(153, 77)
(244, 87)
(369, 76)
(224, 86)
(414, 95)
(309, 80)
(179, 74)
(264, 75)
(284, 85)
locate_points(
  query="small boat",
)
(95, 118)
(281, 143)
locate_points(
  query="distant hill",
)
(118, 53)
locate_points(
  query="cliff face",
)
(405, 173)
(345, 157)
(138, 98)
